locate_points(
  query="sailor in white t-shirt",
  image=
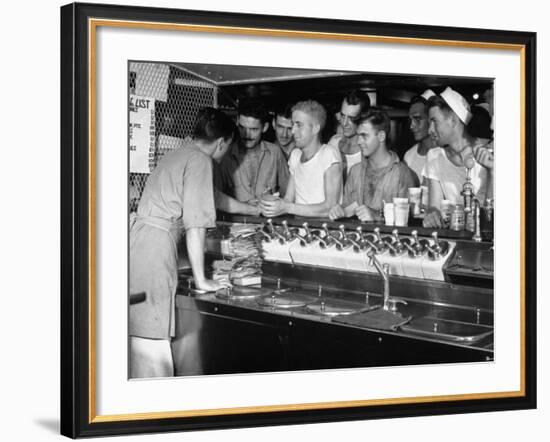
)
(419, 123)
(450, 177)
(315, 184)
(446, 168)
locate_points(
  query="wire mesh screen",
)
(164, 101)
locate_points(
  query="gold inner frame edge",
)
(93, 24)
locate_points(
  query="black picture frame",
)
(77, 251)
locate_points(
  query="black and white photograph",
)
(285, 219)
(273, 220)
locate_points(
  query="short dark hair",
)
(437, 101)
(252, 107)
(212, 124)
(419, 99)
(379, 119)
(283, 110)
(358, 97)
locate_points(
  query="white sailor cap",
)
(458, 104)
(427, 94)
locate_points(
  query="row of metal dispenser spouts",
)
(359, 241)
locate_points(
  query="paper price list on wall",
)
(142, 134)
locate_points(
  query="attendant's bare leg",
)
(187, 354)
(150, 358)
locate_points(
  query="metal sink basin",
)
(285, 298)
(337, 307)
(241, 293)
(448, 330)
(375, 318)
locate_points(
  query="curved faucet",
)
(328, 236)
(267, 237)
(377, 233)
(413, 252)
(384, 271)
(358, 242)
(322, 243)
(331, 239)
(344, 241)
(308, 236)
(438, 249)
(415, 246)
(390, 304)
(382, 242)
(275, 233)
(289, 233)
(340, 245)
(375, 246)
(379, 245)
(396, 247)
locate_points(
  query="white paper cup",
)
(402, 215)
(389, 214)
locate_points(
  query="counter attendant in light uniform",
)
(178, 197)
(354, 105)
(379, 177)
(419, 123)
(315, 183)
(446, 167)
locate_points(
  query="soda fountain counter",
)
(340, 295)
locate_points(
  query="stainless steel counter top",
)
(454, 325)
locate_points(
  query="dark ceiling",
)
(279, 85)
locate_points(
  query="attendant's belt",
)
(171, 227)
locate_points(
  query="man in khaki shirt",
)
(379, 177)
(282, 125)
(252, 167)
